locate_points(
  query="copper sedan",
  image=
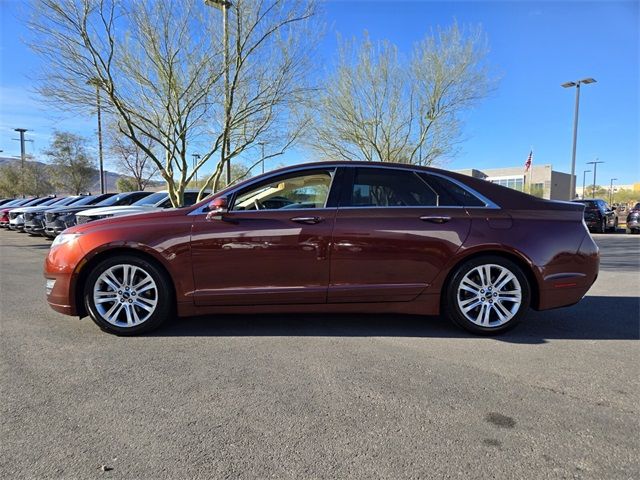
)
(331, 237)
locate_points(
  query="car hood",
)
(117, 221)
(70, 208)
(117, 211)
(27, 209)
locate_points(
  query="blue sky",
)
(535, 46)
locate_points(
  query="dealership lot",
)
(304, 396)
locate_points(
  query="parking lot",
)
(304, 396)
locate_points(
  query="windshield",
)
(84, 200)
(51, 202)
(115, 200)
(588, 203)
(152, 199)
(69, 201)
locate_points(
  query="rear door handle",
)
(307, 220)
(435, 219)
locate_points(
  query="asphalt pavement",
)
(321, 396)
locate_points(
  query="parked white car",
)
(152, 203)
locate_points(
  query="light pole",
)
(595, 169)
(22, 155)
(262, 158)
(576, 84)
(96, 83)
(224, 5)
(196, 158)
(611, 191)
(584, 181)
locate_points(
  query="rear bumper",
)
(565, 288)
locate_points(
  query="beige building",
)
(540, 180)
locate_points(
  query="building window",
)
(515, 183)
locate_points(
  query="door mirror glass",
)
(217, 207)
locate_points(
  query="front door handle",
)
(307, 220)
(435, 219)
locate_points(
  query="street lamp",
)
(224, 5)
(611, 191)
(22, 156)
(96, 82)
(576, 84)
(196, 159)
(595, 169)
(584, 177)
(262, 158)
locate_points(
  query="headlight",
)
(64, 238)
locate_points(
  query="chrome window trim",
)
(487, 203)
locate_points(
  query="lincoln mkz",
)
(327, 238)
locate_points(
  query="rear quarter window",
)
(452, 194)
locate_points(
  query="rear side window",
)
(382, 187)
(452, 193)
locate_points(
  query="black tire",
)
(453, 311)
(603, 226)
(163, 309)
(614, 229)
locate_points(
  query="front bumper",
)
(34, 227)
(61, 269)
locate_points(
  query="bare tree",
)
(269, 70)
(158, 65)
(379, 106)
(131, 160)
(72, 169)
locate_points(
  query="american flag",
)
(527, 164)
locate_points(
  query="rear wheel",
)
(127, 295)
(487, 295)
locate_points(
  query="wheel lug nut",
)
(119, 292)
(130, 301)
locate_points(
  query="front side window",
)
(294, 191)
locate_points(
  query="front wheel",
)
(127, 295)
(487, 295)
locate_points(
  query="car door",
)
(393, 234)
(271, 247)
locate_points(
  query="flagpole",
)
(531, 170)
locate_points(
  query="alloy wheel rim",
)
(489, 295)
(125, 295)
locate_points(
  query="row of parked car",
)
(49, 216)
(600, 217)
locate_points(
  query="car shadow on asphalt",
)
(594, 318)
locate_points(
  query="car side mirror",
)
(217, 208)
